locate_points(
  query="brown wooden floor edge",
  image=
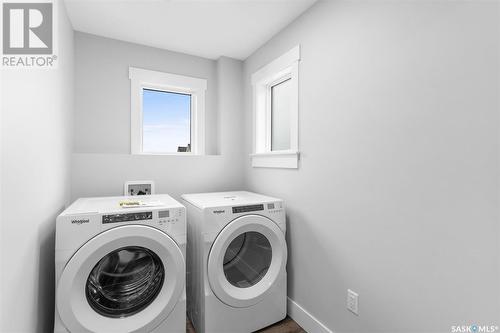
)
(287, 325)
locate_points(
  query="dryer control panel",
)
(273, 207)
(249, 208)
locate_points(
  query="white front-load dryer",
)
(236, 261)
(121, 269)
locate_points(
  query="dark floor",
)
(287, 325)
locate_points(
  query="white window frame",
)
(147, 79)
(283, 68)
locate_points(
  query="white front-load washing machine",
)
(121, 269)
(236, 261)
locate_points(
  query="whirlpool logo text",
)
(81, 221)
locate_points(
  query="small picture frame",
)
(139, 187)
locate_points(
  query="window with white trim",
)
(167, 113)
(275, 100)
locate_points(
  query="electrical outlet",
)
(352, 301)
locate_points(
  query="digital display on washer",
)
(244, 209)
(115, 218)
(163, 214)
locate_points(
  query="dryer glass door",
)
(247, 260)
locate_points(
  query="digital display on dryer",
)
(116, 218)
(244, 209)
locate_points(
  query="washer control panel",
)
(127, 217)
(171, 216)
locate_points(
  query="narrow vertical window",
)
(276, 112)
(281, 105)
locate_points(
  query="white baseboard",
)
(305, 319)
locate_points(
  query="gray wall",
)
(36, 143)
(102, 161)
(397, 195)
(103, 90)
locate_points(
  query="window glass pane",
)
(166, 122)
(247, 259)
(125, 282)
(280, 115)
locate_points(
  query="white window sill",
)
(276, 159)
(169, 154)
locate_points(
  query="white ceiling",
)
(206, 28)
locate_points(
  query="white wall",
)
(102, 161)
(230, 108)
(397, 192)
(36, 142)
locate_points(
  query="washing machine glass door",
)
(126, 279)
(246, 260)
